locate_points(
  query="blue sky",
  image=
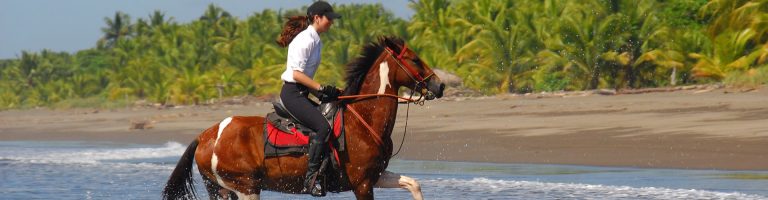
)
(72, 25)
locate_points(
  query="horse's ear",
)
(391, 42)
(385, 41)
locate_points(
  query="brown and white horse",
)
(230, 155)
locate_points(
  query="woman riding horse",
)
(230, 155)
(303, 61)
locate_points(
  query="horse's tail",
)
(181, 184)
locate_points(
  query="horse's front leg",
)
(364, 190)
(393, 180)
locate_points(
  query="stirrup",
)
(313, 186)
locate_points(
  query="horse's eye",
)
(418, 61)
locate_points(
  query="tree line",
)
(495, 46)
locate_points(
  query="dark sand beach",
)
(689, 129)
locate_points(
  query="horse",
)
(230, 155)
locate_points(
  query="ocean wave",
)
(90, 156)
(524, 189)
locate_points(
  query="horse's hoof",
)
(318, 191)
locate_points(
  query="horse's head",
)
(389, 61)
(412, 72)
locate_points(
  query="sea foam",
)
(530, 189)
(91, 156)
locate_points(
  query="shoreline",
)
(700, 128)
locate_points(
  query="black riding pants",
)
(294, 97)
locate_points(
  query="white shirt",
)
(303, 54)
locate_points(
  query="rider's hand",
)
(329, 93)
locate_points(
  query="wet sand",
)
(690, 129)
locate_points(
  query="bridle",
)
(420, 85)
(420, 82)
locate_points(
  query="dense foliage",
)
(496, 46)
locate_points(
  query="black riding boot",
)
(312, 181)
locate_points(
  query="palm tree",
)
(117, 28)
(495, 39)
(191, 87)
(213, 14)
(27, 68)
(157, 18)
(728, 54)
(646, 34)
(738, 32)
(435, 33)
(732, 14)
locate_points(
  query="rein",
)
(376, 135)
(365, 96)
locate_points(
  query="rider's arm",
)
(303, 79)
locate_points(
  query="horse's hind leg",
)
(215, 191)
(244, 187)
(393, 180)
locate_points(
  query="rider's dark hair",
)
(292, 27)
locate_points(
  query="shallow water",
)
(93, 170)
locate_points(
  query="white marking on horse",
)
(224, 123)
(393, 180)
(215, 159)
(383, 77)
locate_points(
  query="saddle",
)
(286, 135)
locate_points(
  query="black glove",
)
(328, 93)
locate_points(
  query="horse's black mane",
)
(358, 68)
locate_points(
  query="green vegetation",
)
(496, 46)
(746, 176)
